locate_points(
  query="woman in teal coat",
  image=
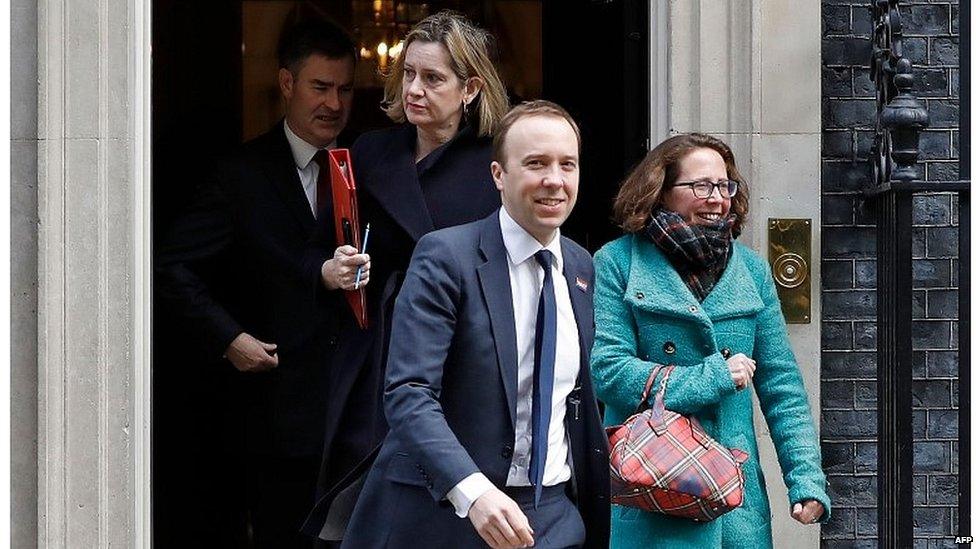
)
(677, 289)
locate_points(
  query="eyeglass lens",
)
(726, 189)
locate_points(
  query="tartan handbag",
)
(664, 462)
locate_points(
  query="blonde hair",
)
(469, 48)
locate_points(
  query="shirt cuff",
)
(466, 492)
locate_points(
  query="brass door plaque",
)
(789, 256)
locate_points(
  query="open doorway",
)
(215, 85)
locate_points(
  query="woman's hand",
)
(340, 271)
(807, 512)
(741, 368)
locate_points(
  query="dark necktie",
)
(323, 185)
(543, 373)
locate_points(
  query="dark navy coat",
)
(450, 397)
(239, 259)
(402, 200)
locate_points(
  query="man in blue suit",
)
(495, 436)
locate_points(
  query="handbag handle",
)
(643, 404)
(659, 397)
(657, 412)
(656, 419)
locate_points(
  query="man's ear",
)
(496, 174)
(286, 82)
(472, 87)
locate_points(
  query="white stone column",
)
(92, 260)
(23, 274)
(748, 71)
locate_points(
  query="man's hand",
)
(807, 512)
(741, 368)
(248, 354)
(340, 271)
(500, 522)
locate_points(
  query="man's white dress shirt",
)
(526, 276)
(308, 171)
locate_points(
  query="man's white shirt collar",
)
(302, 151)
(521, 245)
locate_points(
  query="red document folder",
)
(346, 214)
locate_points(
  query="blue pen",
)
(359, 271)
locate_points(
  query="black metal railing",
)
(900, 120)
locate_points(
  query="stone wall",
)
(849, 365)
(23, 273)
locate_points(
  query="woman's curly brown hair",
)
(644, 188)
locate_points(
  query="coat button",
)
(333, 341)
(669, 347)
(507, 452)
(726, 352)
(639, 295)
(693, 309)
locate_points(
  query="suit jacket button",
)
(507, 452)
(639, 295)
(333, 341)
(726, 352)
(669, 347)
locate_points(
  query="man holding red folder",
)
(239, 272)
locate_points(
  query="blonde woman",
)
(429, 172)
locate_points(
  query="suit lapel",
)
(397, 188)
(582, 421)
(497, 290)
(280, 169)
(582, 303)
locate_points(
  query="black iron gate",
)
(900, 120)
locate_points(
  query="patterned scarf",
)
(699, 253)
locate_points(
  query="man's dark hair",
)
(538, 107)
(312, 36)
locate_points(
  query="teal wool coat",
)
(645, 315)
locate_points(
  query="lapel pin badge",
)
(582, 284)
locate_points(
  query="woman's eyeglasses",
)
(703, 188)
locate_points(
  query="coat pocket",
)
(755, 502)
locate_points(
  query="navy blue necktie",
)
(543, 373)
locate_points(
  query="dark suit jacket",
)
(239, 260)
(403, 201)
(451, 389)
